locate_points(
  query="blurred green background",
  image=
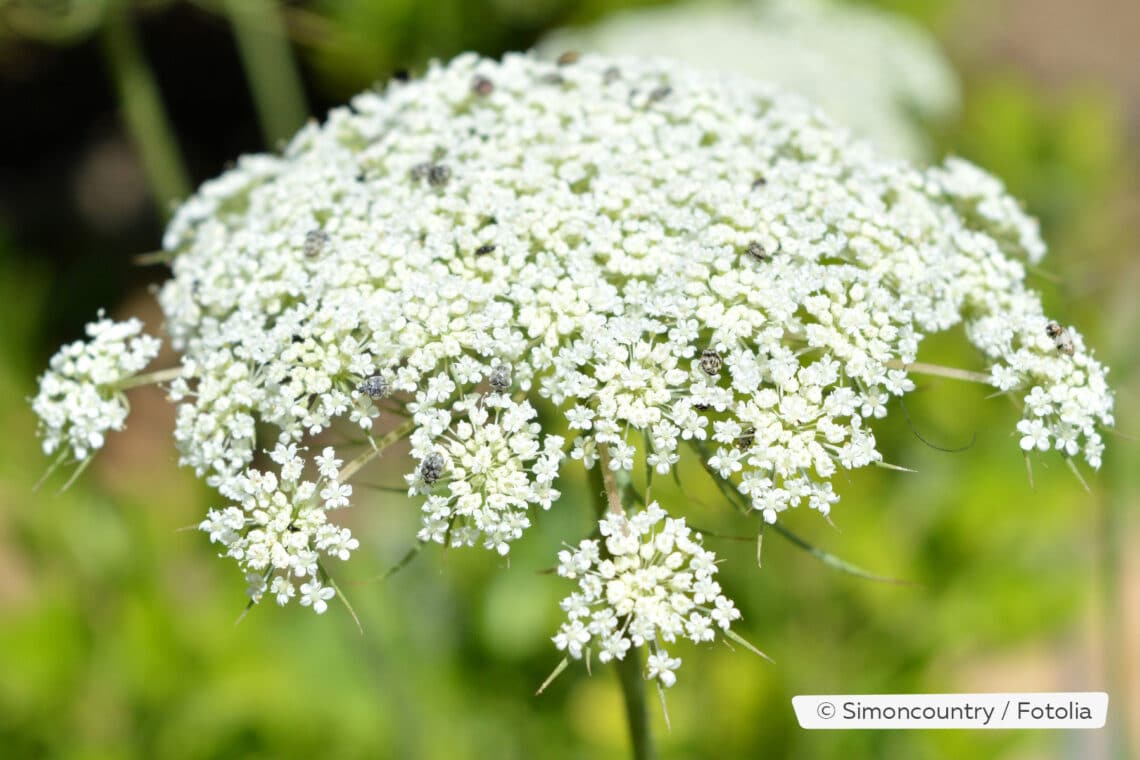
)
(117, 633)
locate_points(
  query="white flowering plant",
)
(523, 266)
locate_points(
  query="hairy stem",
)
(397, 434)
(922, 368)
(609, 482)
(142, 108)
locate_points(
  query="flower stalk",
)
(613, 496)
(629, 669)
(398, 433)
(954, 373)
(150, 378)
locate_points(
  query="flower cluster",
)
(670, 262)
(484, 473)
(81, 395)
(871, 71)
(649, 581)
(278, 529)
(1068, 396)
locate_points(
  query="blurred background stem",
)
(1112, 525)
(1116, 530)
(633, 691)
(142, 109)
(269, 67)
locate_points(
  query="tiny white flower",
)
(1034, 435)
(283, 590)
(314, 595)
(662, 667)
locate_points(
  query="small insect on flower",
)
(759, 182)
(438, 175)
(375, 387)
(1061, 338)
(315, 241)
(569, 57)
(711, 362)
(483, 250)
(659, 93)
(431, 469)
(756, 252)
(500, 379)
(482, 86)
(745, 440)
(420, 171)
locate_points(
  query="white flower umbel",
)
(278, 526)
(484, 473)
(872, 71)
(647, 582)
(81, 395)
(659, 256)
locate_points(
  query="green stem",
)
(61, 24)
(636, 713)
(922, 368)
(607, 496)
(734, 498)
(354, 466)
(274, 80)
(142, 109)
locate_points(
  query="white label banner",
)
(1075, 709)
